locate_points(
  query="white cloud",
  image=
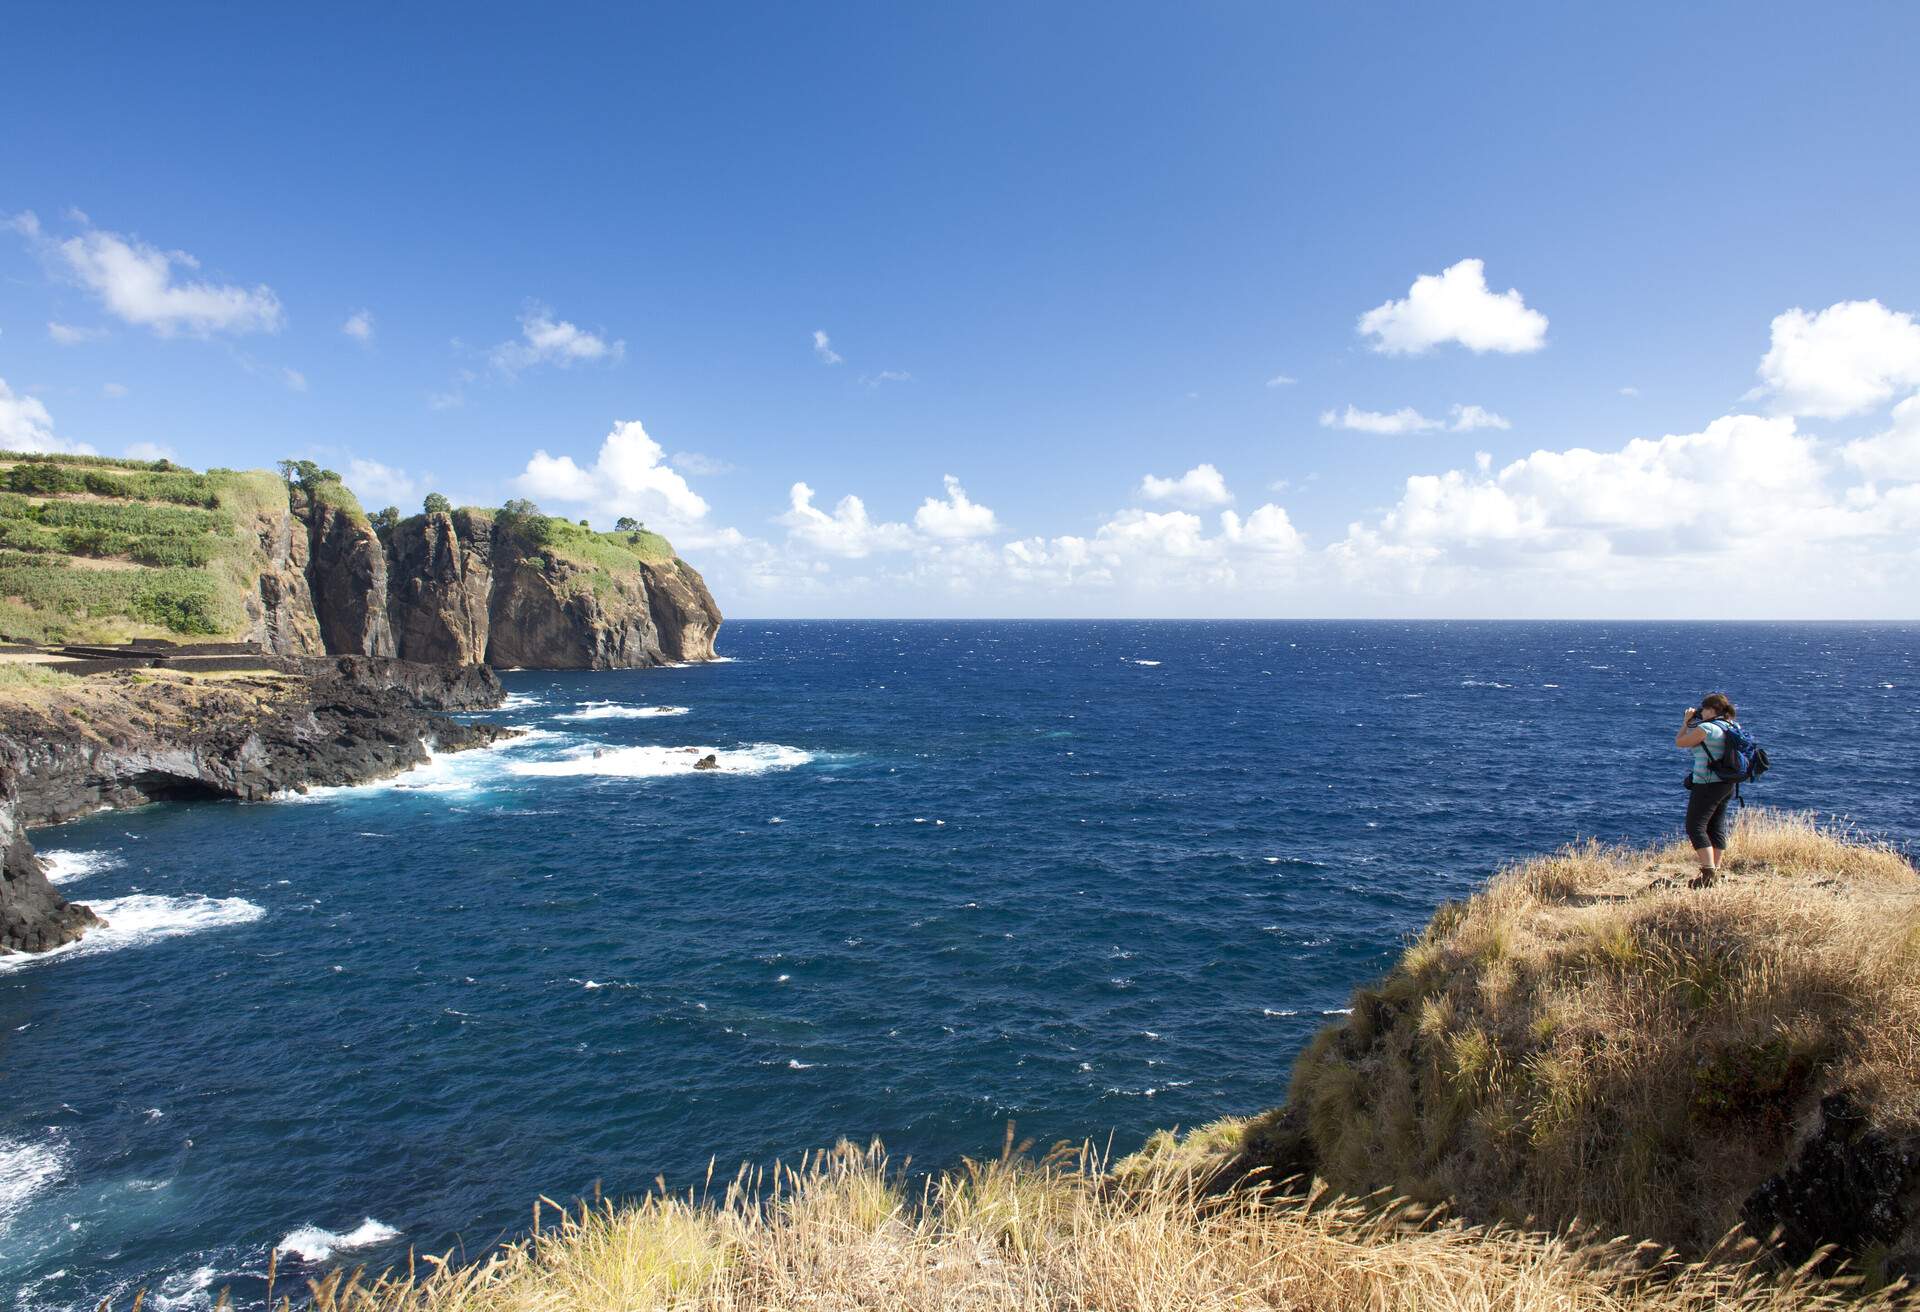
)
(115, 390)
(1895, 454)
(547, 340)
(954, 517)
(823, 348)
(382, 485)
(25, 425)
(1404, 420)
(1282, 380)
(1455, 305)
(1630, 391)
(628, 477)
(849, 531)
(1200, 486)
(1466, 418)
(294, 379)
(1844, 360)
(886, 376)
(700, 466)
(135, 283)
(151, 451)
(66, 334)
(359, 326)
(446, 400)
(1267, 529)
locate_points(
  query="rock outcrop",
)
(347, 574)
(468, 587)
(33, 915)
(280, 611)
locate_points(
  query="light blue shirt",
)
(1715, 742)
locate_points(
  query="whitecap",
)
(441, 772)
(795, 1064)
(1146, 662)
(144, 918)
(659, 762)
(184, 1289)
(1269, 1011)
(1483, 683)
(619, 711)
(63, 866)
(312, 1244)
(26, 1169)
(518, 701)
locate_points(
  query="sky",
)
(1235, 310)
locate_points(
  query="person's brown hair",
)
(1718, 703)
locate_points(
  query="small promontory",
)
(1589, 1041)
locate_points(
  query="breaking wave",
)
(144, 918)
(63, 867)
(26, 1169)
(658, 762)
(619, 711)
(312, 1244)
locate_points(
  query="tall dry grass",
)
(1590, 1039)
(844, 1232)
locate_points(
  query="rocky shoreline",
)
(132, 737)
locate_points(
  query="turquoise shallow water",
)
(1093, 877)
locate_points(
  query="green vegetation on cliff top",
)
(97, 549)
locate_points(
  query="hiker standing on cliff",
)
(1711, 732)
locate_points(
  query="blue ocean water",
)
(1095, 878)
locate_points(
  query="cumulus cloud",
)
(153, 289)
(1282, 380)
(823, 348)
(359, 326)
(151, 451)
(1200, 486)
(1267, 529)
(1845, 360)
(25, 425)
(1455, 305)
(849, 531)
(1895, 454)
(955, 516)
(546, 340)
(377, 484)
(628, 477)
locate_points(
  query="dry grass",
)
(1589, 1039)
(844, 1232)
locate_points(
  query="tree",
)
(520, 508)
(435, 504)
(384, 521)
(628, 524)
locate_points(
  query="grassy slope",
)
(1589, 1038)
(99, 550)
(603, 562)
(1579, 998)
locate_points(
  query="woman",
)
(1707, 818)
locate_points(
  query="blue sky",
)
(1057, 252)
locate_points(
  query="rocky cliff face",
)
(347, 574)
(281, 610)
(465, 588)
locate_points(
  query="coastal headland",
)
(171, 635)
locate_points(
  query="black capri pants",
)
(1708, 816)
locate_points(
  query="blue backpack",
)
(1741, 759)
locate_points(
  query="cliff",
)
(1589, 1041)
(520, 591)
(97, 550)
(70, 746)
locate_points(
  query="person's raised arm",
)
(1691, 734)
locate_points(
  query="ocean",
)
(1091, 878)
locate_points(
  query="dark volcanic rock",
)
(440, 586)
(432, 687)
(33, 915)
(1851, 1185)
(347, 574)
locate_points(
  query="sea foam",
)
(312, 1244)
(658, 762)
(64, 867)
(144, 918)
(619, 711)
(25, 1169)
